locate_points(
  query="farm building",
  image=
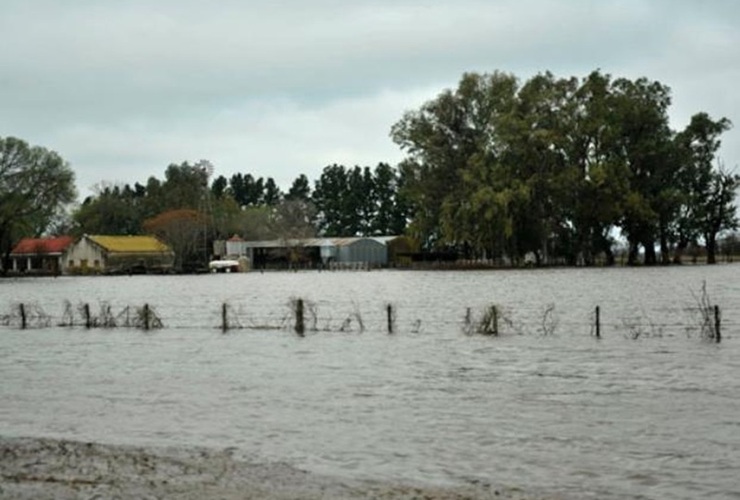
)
(311, 252)
(118, 254)
(39, 255)
(348, 251)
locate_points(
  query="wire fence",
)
(304, 317)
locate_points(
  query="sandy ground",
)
(57, 469)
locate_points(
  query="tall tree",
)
(554, 167)
(35, 186)
(705, 194)
(641, 110)
(272, 194)
(390, 206)
(456, 130)
(329, 197)
(300, 189)
(112, 210)
(184, 186)
(219, 186)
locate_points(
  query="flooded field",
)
(649, 410)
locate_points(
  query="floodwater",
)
(649, 410)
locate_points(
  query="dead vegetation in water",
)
(82, 315)
(705, 316)
(25, 316)
(309, 317)
(492, 320)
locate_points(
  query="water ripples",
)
(655, 417)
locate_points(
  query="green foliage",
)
(555, 167)
(360, 201)
(36, 186)
(548, 169)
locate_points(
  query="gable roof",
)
(28, 246)
(130, 244)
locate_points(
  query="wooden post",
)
(598, 322)
(300, 326)
(22, 308)
(224, 318)
(717, 331)
(389, 310)
(494, 310)
(86, 311)
(147, 316)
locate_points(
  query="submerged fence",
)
(304, 317)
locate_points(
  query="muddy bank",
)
(58, 469)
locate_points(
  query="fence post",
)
(717, 330)
(598, 322)
(300, 326)
(389, 310)
(224, 318)
(22, 308)
(147, 316)
(86, 311)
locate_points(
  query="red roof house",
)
(40, 255)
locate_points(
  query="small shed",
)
(100, 254)
(236, 247)
(40, 255)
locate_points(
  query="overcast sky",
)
(121, 89)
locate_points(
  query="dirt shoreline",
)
(41, 468)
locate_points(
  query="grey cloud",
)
(123, 88)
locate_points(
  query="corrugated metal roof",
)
(316, 242)
(384, 239)
(343, 242)
(130, 244)
(42, 245)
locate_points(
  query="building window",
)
(96, 263)
(71, 263)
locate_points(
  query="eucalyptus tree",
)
(707, 194)
(718, 213)
(184, 186)
(551, 167)
(644, 142)
(453, 151)
(594, 184)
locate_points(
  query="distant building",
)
(40, 255)
(348, 252)
(99, 254)
(236, 247)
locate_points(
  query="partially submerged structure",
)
(99, 254)
(39, 255)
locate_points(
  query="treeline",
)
(189, 210)
(550, 169)
(357, 201)
(557, 167)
